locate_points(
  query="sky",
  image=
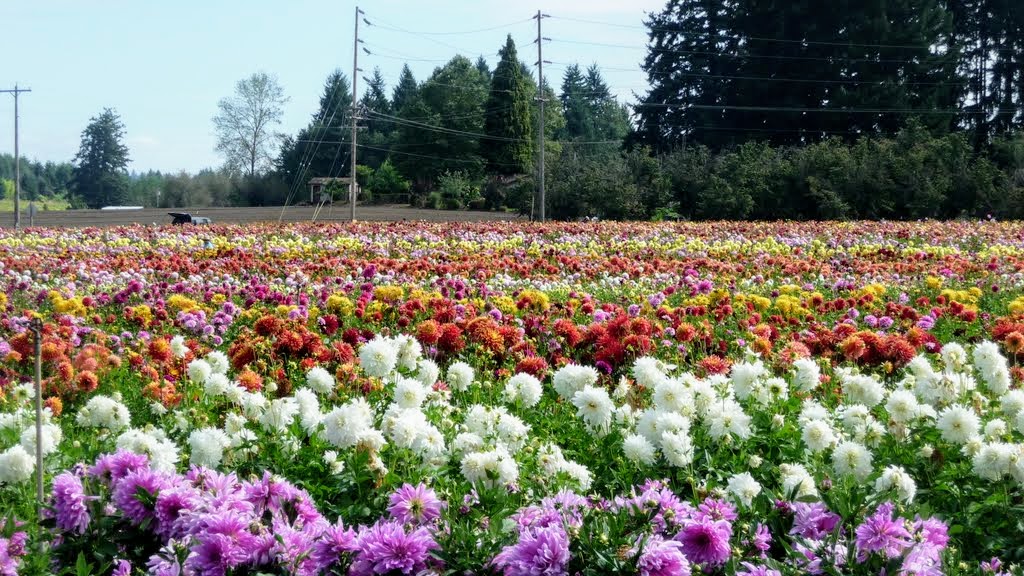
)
(164, 65)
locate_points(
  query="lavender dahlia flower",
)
(122, 568)
(662, 557)
(540, 551)
(223, 543)
(386, 547)
(69, 504)
(131, 494)
(879, 533)
(813, 521)
(113, 467)
(335, 541)
(171, 505)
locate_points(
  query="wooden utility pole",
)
(352, 154)
(17, 158)
(540, 117)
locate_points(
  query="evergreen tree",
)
(989, 38)
(483, 68)
(378, 129)
(689, 71)
(591, 112)
(775, 48)
(375, 98)
(574, 104)
(608, 119)
(725, 72)
(405, 91)
(509, 150)
(898, 58)
(100, 176)
(433, 135)
(597, 90)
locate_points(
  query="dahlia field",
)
(517, 399)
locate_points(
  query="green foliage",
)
(602, 185)
(431, 136)
(6, 188)
(915, 175)
(591, 113)
(39, 180)
(456, 190)
(509, 150)
(99, 174)
(759, 70)
(378, 129)
(386, 183)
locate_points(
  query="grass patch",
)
(7, 205)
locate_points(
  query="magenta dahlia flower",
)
(415, 505)
(706, 541)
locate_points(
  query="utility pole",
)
(17, 158)
(540, 116)
(352, 153)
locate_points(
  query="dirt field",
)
(84, 218)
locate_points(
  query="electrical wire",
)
(1004, 110)
(758, 38)
(767, 78)
(743, 54)
(499, 27)
(442, 129)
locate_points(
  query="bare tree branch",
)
(243, 124)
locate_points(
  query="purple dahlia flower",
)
(540, 551)
(69, 504)
(415, 505)
(386, 547)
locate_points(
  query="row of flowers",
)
(205, 522)
(745, 437)
(814, 398)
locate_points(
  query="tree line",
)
(756, 109)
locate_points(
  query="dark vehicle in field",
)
(180, 218)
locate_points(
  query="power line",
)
(499, 27)
(458, 116)
(406, 58)
(759, 38)
(464, 160)
(1004, 110)
(309, 152)
(435, 128)
(404, 144)
(773, 79)
(378, 23)
(743, 54)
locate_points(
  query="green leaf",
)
(82, 566)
